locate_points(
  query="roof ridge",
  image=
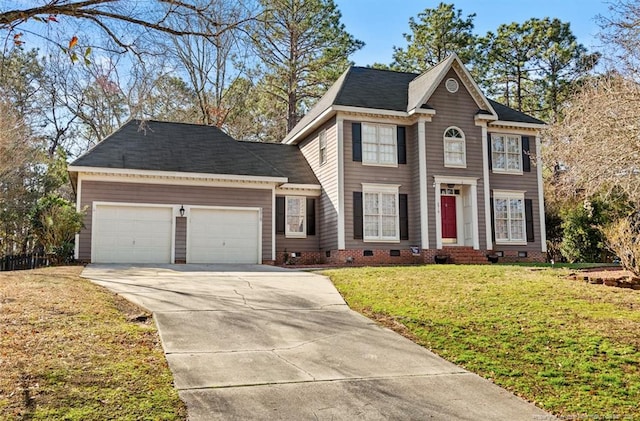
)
(384, 70)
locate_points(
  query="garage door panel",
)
(223, 236)
(132, 234)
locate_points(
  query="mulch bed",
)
(609, 276)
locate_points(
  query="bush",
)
(583, 240)
(55, 222)
(622, 239)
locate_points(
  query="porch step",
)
(465, 255)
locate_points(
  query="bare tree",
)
(117, 19)
(597, 145)
(213, 64)
(621, 35)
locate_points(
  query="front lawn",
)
(72, 350)
(572, 348)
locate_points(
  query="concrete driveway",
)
(260, 342)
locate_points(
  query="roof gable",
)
(422, 87)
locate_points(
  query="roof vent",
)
(451, 85)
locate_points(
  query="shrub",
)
(622, 239)
(55, 222)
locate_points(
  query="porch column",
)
(543, 228)
(474, 216)
(422, 166)
(438, 219)
(486, 186)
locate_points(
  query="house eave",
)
(176, 175)
(518, 124)
(300, 189)
(316, 122)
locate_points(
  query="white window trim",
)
(322, 147)
(395, 144)
(303, 209)
(368, 188)
(504, 170)
(445, 140)
(510, 194)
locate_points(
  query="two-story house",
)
(388, 167)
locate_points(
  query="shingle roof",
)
(509, 114)
(180, 147)
(375, 88)
(365, 87)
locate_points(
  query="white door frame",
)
(472, 182)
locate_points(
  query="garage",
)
(223, 235)
(132, 234)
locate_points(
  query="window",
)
(506, 153)
(509, 215)
(379, 144)
(380, 213)
(454, 148)
(452, 85)
(295, 212)
(322, 145)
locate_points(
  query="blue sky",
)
(381, 23)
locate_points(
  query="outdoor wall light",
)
(181, 210)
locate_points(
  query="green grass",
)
(570, 347)
(69, 350)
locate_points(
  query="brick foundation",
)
(364, 257)
(370, 257)
(511, 256)
(303, 258)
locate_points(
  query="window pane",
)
(389, 226)
(498, 144)
(293, 206)
(371, 226)
(385, 135)
(500, 209)
(513, 162)
(502, 231)
(513, 145)
(516, 230)
(453, 133)
(388, 204)
(369, 152)
(371, 204)
(368, 133)
(498, 160)
(294, 224)
(516, 209)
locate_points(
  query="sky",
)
(381, 23)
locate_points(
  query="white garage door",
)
(132, 234)
(223, 236)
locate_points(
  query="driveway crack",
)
(244, 300)
(293, 365)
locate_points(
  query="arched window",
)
(454, 148)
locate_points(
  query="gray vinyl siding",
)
(181, 239)
(454, 109)
(174, 195)
(527, 182)
(309, 243)
(355, 173)
(327, 174)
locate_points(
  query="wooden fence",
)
(24, 261)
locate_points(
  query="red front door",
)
(448, 212)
